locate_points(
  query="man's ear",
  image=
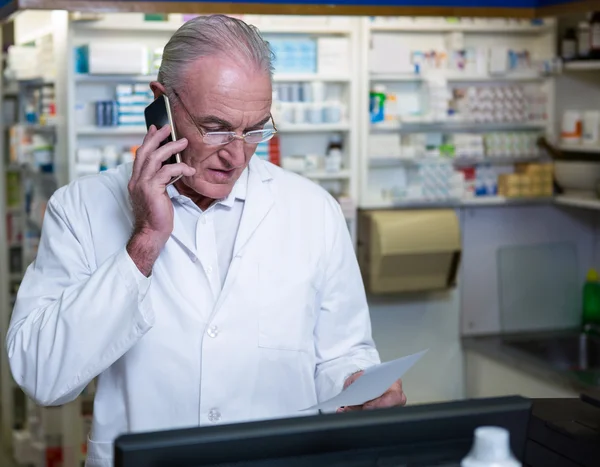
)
(157, 89)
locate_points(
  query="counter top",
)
(495, 347)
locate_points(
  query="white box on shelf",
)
(117, 58)
(385, 46)
(384, 145)
(333, 55)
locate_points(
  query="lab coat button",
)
(214, 415)
(203, 219)
(209, 270)
(213, 331)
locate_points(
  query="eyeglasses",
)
(221, 138)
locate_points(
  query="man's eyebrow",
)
(262, 122)
(213, 120)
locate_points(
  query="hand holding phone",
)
(152, 208)
(158, 113)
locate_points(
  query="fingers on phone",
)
(154, 161)
(169, 171)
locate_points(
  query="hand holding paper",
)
(374, 382)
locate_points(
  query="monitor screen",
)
(420, 435)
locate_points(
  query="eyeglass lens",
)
(252, 137)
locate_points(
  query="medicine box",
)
(294, 56)
(117, 58)
(333, 55)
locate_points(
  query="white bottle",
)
(491, 448)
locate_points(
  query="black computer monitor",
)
(420, 435)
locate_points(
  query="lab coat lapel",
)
(182, 237)
(259, 201)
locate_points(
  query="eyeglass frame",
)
(233, 134)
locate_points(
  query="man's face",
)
(220, 94)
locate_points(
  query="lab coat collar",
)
(259, 198)
(259, 201)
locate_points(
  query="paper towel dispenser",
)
(408, 250)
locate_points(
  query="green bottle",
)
(591, 299)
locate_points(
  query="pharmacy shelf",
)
(322, 175)
(457, 77)
(415, 204)
(385, 126)
(496, 160)
(586, 203)
(39, 128)
(312, 128)
(111, 130)
(385, 162)
(457, 126)
(440, 27)
(582, 65)
(454, 126)
(502, 201)
(36, 82)
(580, 148)
(516, 76)
(396, 77)
(482, 201)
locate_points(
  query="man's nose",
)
(235, 152)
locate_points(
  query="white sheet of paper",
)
(374, 382)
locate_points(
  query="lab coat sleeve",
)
(343, 340)
(70, 323)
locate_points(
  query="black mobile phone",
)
(158, 113)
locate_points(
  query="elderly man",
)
(232, 295)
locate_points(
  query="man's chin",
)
(211, 190)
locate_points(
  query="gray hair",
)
(211, 35)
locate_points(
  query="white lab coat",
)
(290, 324)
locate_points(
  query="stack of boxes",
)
(294, 55)
(512, 145)
(439, 182)
(499, 103)
(132, 101)
(127, 109)
(529, 180)
(31, 61)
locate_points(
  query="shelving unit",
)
(458, 77)
(428, 34)
(450, 126)
(484, 201)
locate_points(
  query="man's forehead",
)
(224, 71)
